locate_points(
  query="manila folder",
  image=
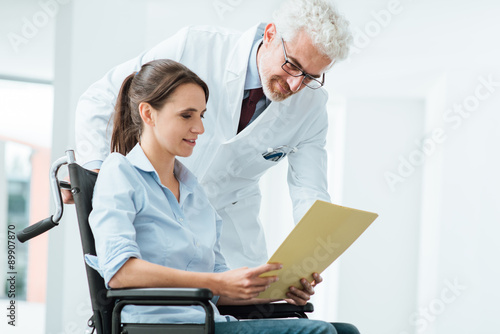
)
(320, 237)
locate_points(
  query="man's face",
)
(277, 84)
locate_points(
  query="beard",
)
(270, 84)
(272, 90)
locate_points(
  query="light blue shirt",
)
(135, 216)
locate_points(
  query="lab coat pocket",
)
(254, 168)
(232, 170)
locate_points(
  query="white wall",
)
(469, 215)
(437, 52)
(26, 48)
(378, 274)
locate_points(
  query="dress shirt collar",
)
(139, 160)
(252, 79)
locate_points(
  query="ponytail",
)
(126, 129)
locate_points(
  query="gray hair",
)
(327, 28)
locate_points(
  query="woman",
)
(152, 222)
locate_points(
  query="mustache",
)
(282, 83)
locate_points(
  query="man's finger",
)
(296, 299)
(67, 196)
(300, 293)
(317, 279)
(307, 286)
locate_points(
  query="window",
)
(25, 142)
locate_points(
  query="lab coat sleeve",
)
(307, 168)
(94, 122)
(220, 261)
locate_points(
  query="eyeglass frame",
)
(304, 74)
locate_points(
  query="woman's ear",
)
(148, 114)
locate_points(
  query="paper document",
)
(320, 237)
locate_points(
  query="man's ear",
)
(147, 113)
(269, 34)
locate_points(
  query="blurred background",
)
(414, 136)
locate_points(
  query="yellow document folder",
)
(320, 237)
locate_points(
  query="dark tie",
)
(248, 107)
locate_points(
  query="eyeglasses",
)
(296, 71)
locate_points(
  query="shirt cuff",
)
(94, 164)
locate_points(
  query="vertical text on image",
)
(11, 275)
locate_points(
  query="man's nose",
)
(294, 83)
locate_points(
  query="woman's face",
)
(178, 123)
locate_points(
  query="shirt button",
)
(181, 220)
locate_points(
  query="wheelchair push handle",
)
(36, 229)
(48, 223)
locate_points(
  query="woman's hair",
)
(327, 28)
(154, 83)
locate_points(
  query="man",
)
(266, 102)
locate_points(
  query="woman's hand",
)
(245, 283)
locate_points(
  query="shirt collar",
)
(139, 160)
(184, 175)
(252, 79)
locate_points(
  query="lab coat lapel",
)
(276, 112)
(235, 82)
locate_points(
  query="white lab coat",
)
(227, 164)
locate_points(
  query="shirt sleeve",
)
(307, 168)
(93, 120)
(112, 217)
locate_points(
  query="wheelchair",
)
(108, 304)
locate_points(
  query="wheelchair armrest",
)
(161, 294)
(263, 311)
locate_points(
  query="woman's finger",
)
(257, 271)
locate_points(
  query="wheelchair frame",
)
(107, 304)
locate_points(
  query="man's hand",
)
(302, 296)
(67, 195)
